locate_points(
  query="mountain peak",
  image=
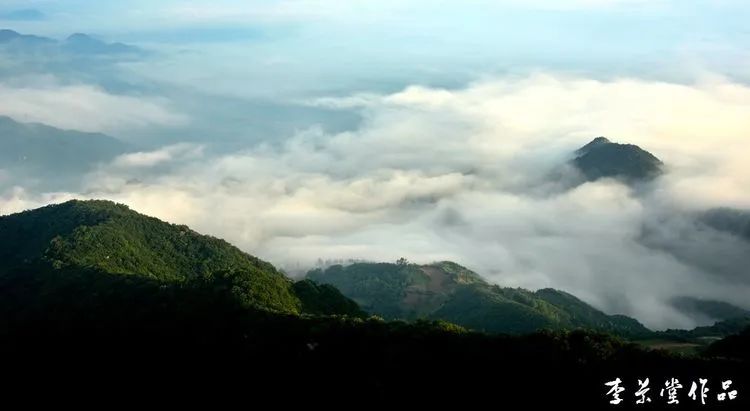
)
(594, 143)
(104, 208)
(80, 37)
(6, 35)
(113, 240)
(600, 139)
(12, 36)
(84, 43)
(602, 158)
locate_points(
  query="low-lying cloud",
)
(85, 108)
(435, 174)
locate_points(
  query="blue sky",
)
(392, 43)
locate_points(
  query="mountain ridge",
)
(729, 220)
(110, 241)
(79, 44)
(450, 292)
(44, 155)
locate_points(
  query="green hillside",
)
(580, 314)
(324, 299)
(447, 291)
(111, 243)
(138, 304)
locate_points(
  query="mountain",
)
(132, 301)
(33, 151)
(708, 309)
(582, 313)
(718, 330)
(13, 38)
(76, 45)
(79, 250)
(450, 292)
(324, 299)
(80, 43)
(405, 291)
(602, 158)
(729, 220)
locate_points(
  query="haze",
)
(321, 129)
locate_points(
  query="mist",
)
(302, 131)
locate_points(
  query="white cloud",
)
(460, 174)
(85, 108)
(147, 159)
(366, 10)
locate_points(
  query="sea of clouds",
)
(467, 175)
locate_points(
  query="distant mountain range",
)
(711, 310)
(77, 44)
(728, 220)
(36, 154)
(84, 44)
(602, 158)
(450, 292)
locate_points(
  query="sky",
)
(310, 129)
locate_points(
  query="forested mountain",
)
(94, 288)
(324, 299)
(450, 292)
(97, 246)
(602, 158)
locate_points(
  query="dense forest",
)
(100, 299)
(448, 291)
